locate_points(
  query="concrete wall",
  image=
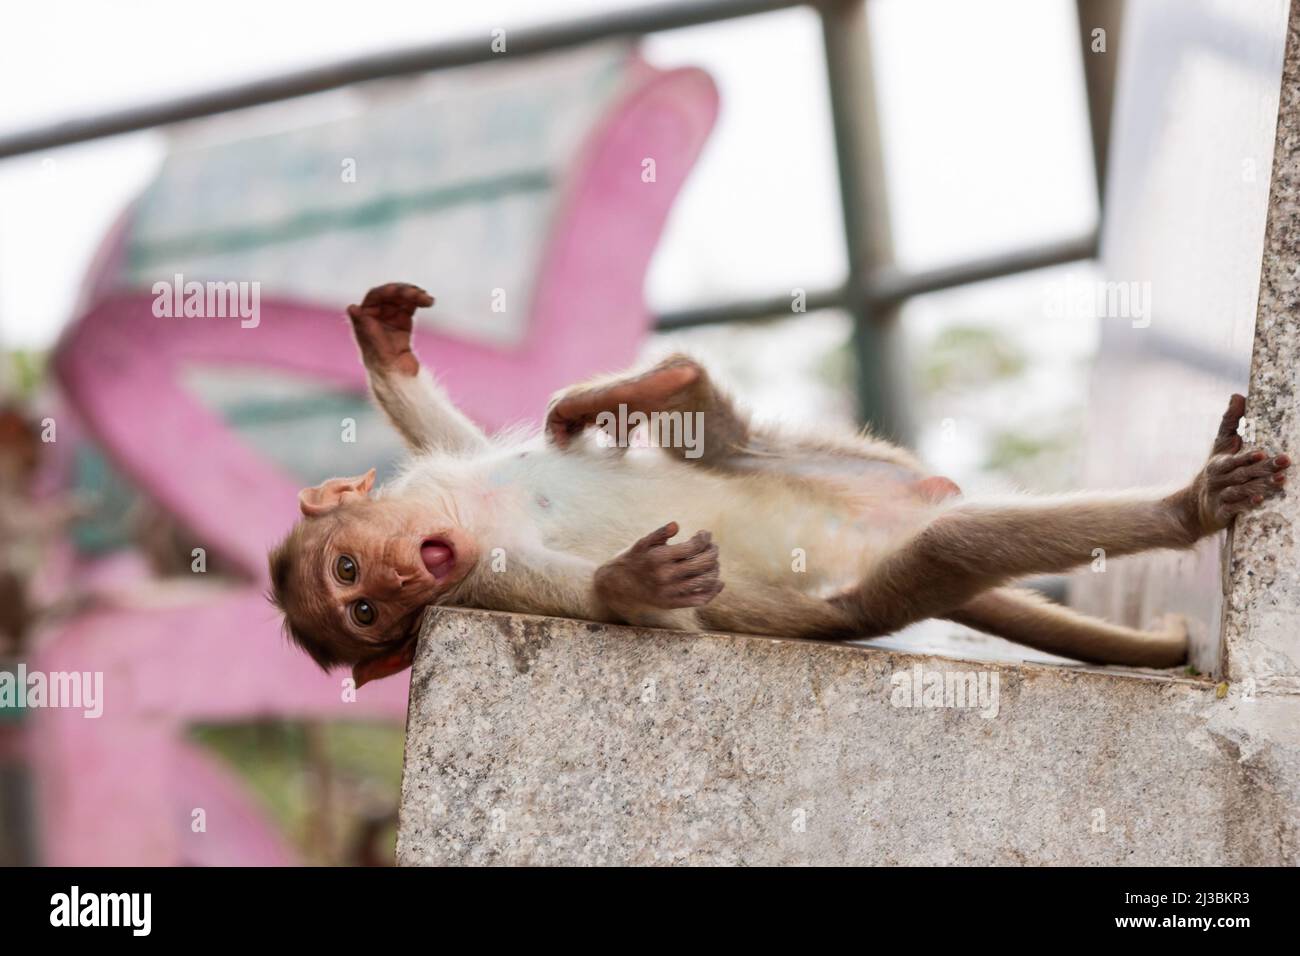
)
(542, 741)
(1261, 621)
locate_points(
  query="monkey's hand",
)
(382, 324)
(1234, 480)
(653, 574)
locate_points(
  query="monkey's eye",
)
(346, 569)
(363, 612)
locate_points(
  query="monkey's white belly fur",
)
(594, 503)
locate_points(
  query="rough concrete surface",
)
(547, 741)
(1261, 621)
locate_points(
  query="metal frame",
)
(872, 292)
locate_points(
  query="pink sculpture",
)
(122, 789)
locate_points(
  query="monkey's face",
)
(380, 563)
(356, 573)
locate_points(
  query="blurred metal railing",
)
(872, 292)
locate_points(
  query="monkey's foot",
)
(655, 574)
(383, 322)
(1242, 482)
(657, 390)
(1236, 479)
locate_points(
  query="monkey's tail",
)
(1028, 618)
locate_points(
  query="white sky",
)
(985, 130)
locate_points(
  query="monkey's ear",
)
(384, 664)
(328, 495)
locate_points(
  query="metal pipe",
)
(889, 286)
(865, 209)
(1100, 59)
(524, 41)
(752, 310)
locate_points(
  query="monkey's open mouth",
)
(438, 557)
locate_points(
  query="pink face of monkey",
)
(355, 574)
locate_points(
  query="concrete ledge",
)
(547, 741)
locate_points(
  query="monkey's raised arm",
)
(419, 410)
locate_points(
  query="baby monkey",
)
(784, 533)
